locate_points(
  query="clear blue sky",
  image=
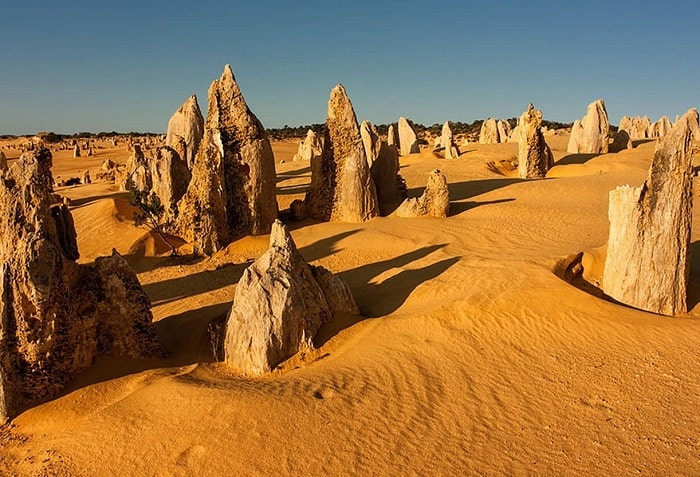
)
(69, 66)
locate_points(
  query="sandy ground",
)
(472, 356)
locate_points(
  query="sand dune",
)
(472, 356)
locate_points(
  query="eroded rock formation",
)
(311, 147)
(371, 141)
(647, 262)
(621, 141)
(408, 140)
(435, 200)
(447, 142)
(660, 128)
(280, 304)
(341, 186)
(590, 135)
(504, 130)
(636, 127)
(186, 130)
(56, 316)
(534, 155)
(232, 191)
(489, 132)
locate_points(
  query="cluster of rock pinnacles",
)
(216, 180)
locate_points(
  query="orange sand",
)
(473, 357)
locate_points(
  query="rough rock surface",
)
(447, 142)
(435, 200)
(489, 132)
(280, 304)
(408, 141)
(535, 157)
(694, 119)
(371, 141)
(660, 128)
(186, 130)
(590, 135)
(3, 161)
(135, 174)
(169, 177)
(232, 191)
(504, 130)
(391, 187)
(621, 141)
(647, 263)
(310, 147)
(341, 186)
(636, 127)
(56, 316)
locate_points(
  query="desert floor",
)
(472, 356)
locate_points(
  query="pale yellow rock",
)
(647, 263)
(489, 132)
(434, 202)
(534, 155)
(186, 130)
(590, 135)
(408, 140)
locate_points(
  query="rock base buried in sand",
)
(280, 304)
(647, 263)
(435, 200)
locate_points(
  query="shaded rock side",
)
(280, 304)
(621, 141)
(232, 191)
(590, 135)
(435, 200)
(391, 137)
(390, 186)
(56, 316)
(341, 186)
(186, 130)
(3, 162)
(647, 262)
(408, 140)
(535, 157)
(371, 141)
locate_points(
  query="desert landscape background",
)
(471, 356)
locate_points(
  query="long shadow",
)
(637, 142)
(76, 203)
(200, 282)
(467, 189)
(457, 208)
(324, 247)
(292, 174)
(292, 189)
(693, 297)
(575, 159)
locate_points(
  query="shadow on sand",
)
(575, 159)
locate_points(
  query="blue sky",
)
(127, 66)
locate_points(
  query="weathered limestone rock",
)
(694, 119)
(56, 316)
(169, 177)
(310, 147)
(504, 130)
(660, 128)
(3, 161)
(86, 177)
(391, 187)
(535, 157)
(281, 302)
(76, 151)
(447, 142)
(371, 141)
(515, 134)
(636, 127)
(647, 263)
(186, 130)
(391, 138)
(408, 141)
(621, 141)
(590, 136)
(435, 200)
(136, 173)
(232, 191)
(489, 132)
(341, 186)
